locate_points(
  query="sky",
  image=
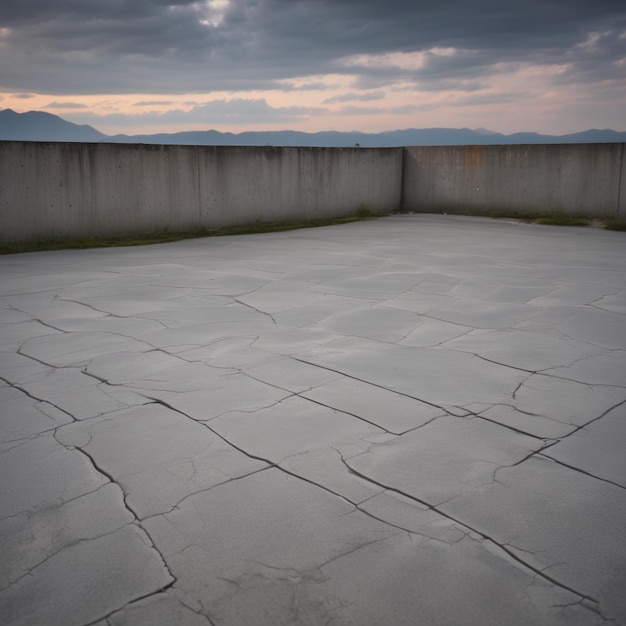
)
(148, 66)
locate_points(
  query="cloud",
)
(241, 110)
(299, 85)
(403, 58)
(183, 46)
(358, 110)
(352, 96)
(213, 113)
(153, 103)
(65, 105)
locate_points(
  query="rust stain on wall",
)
(473, 156)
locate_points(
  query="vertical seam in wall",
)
(619, 181)
(199, 222)
(402, 177)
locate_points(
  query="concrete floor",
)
(417, 420)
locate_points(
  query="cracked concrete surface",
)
(414, 420)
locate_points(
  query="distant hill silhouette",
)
(40, 126)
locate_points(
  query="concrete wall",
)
(243, 184)
(52, 190)
(572, 178)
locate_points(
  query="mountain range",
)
(41, 126)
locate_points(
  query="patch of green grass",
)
(557, 218)
(616, 225)
(78, 243)
(166, 236)
(363, 210)
(493, 213)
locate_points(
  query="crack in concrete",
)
(246, 411)
(199, 491)
(32, 397)
(530, 455)
(34, 293)
(40, 361)
(508, 426)
(469, 413)
(137, 599)
(106, 313)
(249, 306)
(430, 315)
(28, 438)
(551, 442)
(278, 466)
(205, 616)
(19, 442)
(47, 324)
(216, 433)
(429, 506)
(70, 544)
(578, 469)
(378, 300)
(541, 573)
(438, 344)
(518, 410)
(580, 382)
(367, 382)
(484, 535)
(513, 367)
(30, 512)
(363, 419)
(136, 520)
(100, 379)
(520, 385)
(355, 548)
(595, 419)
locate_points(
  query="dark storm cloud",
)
(161, 46)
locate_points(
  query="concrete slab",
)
(183, 456)
(103, 574)
(416, 465)
(413, 420)
(38, 472)
(24, 416)
(424, 374)
(583, 544)
(580, 450)
(393, 412)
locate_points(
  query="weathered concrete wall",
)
(52, 190)
(239, 185)
(572, 178)
(78, 189)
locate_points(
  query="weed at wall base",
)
(166, 235)
(363, 210)
(552, 218)
(616, 225)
